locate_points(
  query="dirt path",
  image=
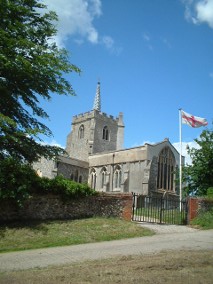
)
(173, 238)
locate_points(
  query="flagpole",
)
(180, 166)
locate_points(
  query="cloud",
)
(51, 143)
(185, 145)
(146, 37)
(76, 20)
(166, 42)
(75, 17)
(205, 12)
(199, 11)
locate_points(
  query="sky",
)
(152, 58)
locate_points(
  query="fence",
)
(159, 210)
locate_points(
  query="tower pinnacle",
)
(97, 101)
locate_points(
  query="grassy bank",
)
(204, 220)
(32, 235)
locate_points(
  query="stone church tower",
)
(95, 132)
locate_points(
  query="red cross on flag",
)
(193, 121)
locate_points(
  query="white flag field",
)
(191, 120)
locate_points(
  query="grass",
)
(171, 216)
(34, 234)
(165, 267)
(204, 220)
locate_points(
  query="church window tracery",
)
(93, 178)
(103, 177)
(166, 166)
(117, 177)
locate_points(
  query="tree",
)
(31, 67)
(199, 175)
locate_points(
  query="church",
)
(95, 155)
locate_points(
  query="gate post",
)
(192, 208)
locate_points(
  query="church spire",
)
(97, 101)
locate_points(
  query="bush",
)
(64, 187)
(210, 192)
(19, 181)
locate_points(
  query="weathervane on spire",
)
(97, 101)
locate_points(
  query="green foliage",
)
(64, 187)
(16, 180)
(31, 68)
(199, 175)
(210, 192)
(19, 181)
(204, 220)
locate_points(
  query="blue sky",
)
(152, 57)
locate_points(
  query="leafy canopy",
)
(199, 175)
(32, 67)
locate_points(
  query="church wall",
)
(120, 132)
(101, 145)
(116, 157)
(154, 150)
(73, 172)
(77, 147)
(93, 141)
(45, 168)
(153, 173)
(139, 167)
(136, 176)
(153, 153)
(65, 166)
(132, 174)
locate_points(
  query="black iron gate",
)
(162, 210)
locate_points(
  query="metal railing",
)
(162, 210)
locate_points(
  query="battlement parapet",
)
(91, 114)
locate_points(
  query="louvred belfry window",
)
(81, 132)
(105, 133)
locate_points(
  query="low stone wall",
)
(46, 207)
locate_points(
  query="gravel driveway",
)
(167, 229)
(167, 238)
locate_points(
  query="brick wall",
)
(44, 207)
(197, 206)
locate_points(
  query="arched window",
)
(103, 177)
(105, 133)
(117, 177)
(166, 167)
(81, 132)
(72, 176)
(93, 179)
